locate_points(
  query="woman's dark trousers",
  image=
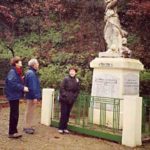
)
(65, 113)
(14, 115)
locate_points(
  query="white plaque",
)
(106, 85)
(131, 84)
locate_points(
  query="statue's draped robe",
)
(113, 32)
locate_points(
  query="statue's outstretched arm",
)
(112, 4)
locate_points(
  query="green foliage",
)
(22, 46)
(2, 46)
(145, 87)
(122, 5)
(145, 75)
(52, 35)
(31, 39)
(60, 62)
(133, 39)
(145, 82)
(81, 59)
(70, 27)
(22, 50)
(28, 23)
(62, 58)
(4, 52)
(53, 16)
(51, 76)
(26, 46)
(85, 76)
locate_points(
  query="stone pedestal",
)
(116, 78)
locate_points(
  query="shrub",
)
(51, 76)
(145, 83)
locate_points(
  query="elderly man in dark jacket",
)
(69, 91)
(34, 94)
(14, 89)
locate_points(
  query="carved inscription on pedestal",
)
(106, 85)
(131, 84)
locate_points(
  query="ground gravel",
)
(47, 138)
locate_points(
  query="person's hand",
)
(26, 89)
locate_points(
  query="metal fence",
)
(146, 117)
(95, 116)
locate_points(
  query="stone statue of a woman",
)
(113, 33)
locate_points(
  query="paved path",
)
(47, 138)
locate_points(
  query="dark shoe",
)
(28, 130)
(33, 129)
(15, 135)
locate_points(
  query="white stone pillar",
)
(47, 106)
(132, 121)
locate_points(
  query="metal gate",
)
(94, 116)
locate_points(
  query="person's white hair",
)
(32, 62)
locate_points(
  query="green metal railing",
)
(95, 116)
(146, 117)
